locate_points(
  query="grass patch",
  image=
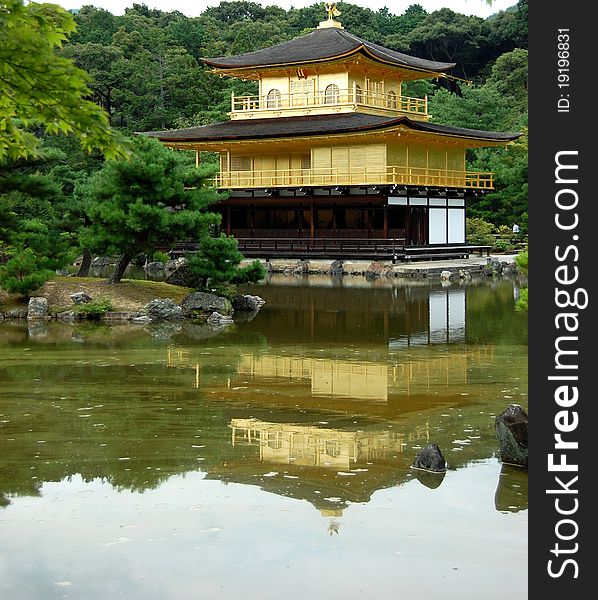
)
(129, 295)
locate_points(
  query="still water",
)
(269, 459)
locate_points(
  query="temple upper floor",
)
(327, 71)
(342, 89)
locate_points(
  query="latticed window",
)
(241, 163)
(358, 93)
(376, 87)
(306, 161)
(273, 99)
(331, 94)
(301, 91)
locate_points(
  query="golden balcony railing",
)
(330, 99)
(399, 175)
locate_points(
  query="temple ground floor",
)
(421, 222)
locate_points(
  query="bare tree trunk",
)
(123, 263)
(85, 264)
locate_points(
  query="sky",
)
(192, 8)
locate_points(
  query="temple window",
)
(273, 99)
(241, 163)
(358, 93)
(331, 94)
(391, 100)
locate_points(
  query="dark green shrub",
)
(479, 232)
(501, 245)
(94, 309)
(24, 272)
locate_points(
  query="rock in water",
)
(430, 458)
(247, 302)
(431, 479)
(217, 319)
(511, 432)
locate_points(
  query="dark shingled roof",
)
(319, 45)
(250, 129)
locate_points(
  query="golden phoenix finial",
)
(332, 10)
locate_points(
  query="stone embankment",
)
(443, 269)
(197, 306)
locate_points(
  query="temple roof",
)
(321, 45)
(315, 125)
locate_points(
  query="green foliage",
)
(522, 262)
(509, 78)
(503, 240)
(501, 245)
(39, 89)
(476, 108)
(225, 290)
(499, 104)
(24, 272)
(521, 303)
(159, 256)
(478, 231)
(94, 309)
(447, 36)
(218, 262)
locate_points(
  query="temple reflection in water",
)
(326, 396)
(284, 443)
(332, 423)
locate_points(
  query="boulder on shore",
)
(101, 261)
(161, 309)
(155, 266)
(81, 298)
(37, 308)
(336, 268)
(511, 432)
(200, 304)
(16, 313)
(493, 266)
(430, 458)
(183, 276)
(174, 263)
(374, 270)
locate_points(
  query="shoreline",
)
(386, 268)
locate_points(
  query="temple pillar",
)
(386, 222)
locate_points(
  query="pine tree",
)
(155, 198)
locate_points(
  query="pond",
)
(272, 457)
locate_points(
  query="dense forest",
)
(145, 71)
